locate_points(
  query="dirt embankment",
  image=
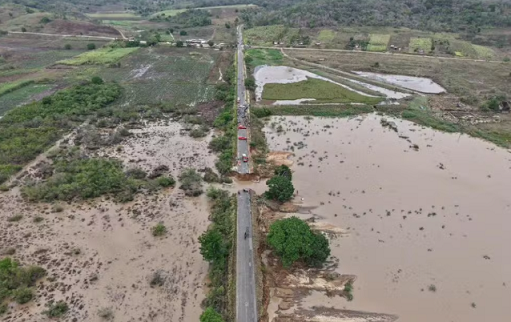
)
(100, 254)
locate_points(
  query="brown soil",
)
(79, 28)
(280, 158)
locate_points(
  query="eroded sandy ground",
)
(422, 208)
(102, 255)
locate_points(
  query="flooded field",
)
(420, 84)
(427, 215)
(284, 75)
(102, 255)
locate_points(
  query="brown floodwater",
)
(430, 225)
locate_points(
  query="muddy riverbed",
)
(428, 215)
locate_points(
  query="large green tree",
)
(293, 240)
(212, 247)
(284, 171)
(280, 188)
(210, 315)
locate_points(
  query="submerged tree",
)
(293, 240)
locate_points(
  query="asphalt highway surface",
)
(243, 148)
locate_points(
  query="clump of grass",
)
(15, 218)
(56, 310)
(157, 279)
(57, 208)
(4, 187)
(166, 181)
(3, 309)
(38, 219)
(432, 288)
(159, 230)
(106, 313)
(348, 289)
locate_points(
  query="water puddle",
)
(420, 84)
(427, 214)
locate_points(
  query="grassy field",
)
(20, 96)
(99, 57)
(9, 87)
(114, 15)
(417, 44)
(266, 35)
(378, 42)
(165, 74)
(169, 13)
(326, 36)
(257, 57)
(322, 91)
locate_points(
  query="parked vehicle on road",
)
(244, 158)
(242, 138)
(242, 127)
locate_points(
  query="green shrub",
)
(83, 179)
(56, 310)
(159, 230)
(284, 171)
(261, 112)
(22, 295)
(166, 181)
(97, 80)
(15, 281)
(91, 46)
(280, 188)
(3, 309)
(293, 240)
(191, 182)
(213, 247)
(68, 47)
(210, 315)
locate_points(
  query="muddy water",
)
(437, 216)
(420, 84)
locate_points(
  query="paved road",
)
(246, 306)
(243, 167)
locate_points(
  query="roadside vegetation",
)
(218, 248)
(29, 130)
(293, 241)
(225, 143)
